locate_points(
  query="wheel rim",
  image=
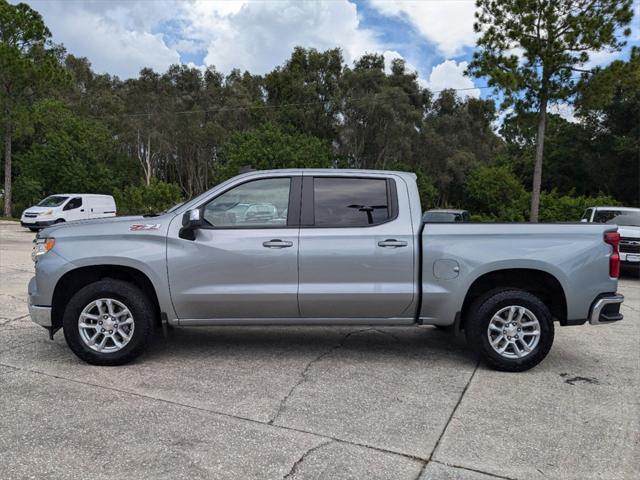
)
(514, 332)
(106, 325)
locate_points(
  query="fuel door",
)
(446, 269)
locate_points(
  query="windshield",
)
(52, 201)
(629, 218)
(441, 217)
(626, 219)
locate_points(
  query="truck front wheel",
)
(510, 330)
(108, 322)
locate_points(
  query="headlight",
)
(42, 246)
(48, 212)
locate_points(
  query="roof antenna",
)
(246, 169)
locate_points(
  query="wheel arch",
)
(537, 282)
(75, 279)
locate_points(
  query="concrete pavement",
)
(313, 402)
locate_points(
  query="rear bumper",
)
(606, 309)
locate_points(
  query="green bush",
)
(154, 198)
(566, 208)
(493, 193)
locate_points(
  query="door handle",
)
(392, 243)
(277, 243)
(82, 209)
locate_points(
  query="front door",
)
(74, 209)
(356, 249)
(243, 264)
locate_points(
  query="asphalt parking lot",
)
(270, 403)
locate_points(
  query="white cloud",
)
(565, 110)
(391, 55)
(448, 24)
(600, 58)
(450, 74)
(117, 40)
(259, 35)
(121, 37)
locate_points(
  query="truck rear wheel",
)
(108, 322)
(510, 330)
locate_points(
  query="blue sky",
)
(120, 37)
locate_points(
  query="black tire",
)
(60, 220)
(483, 310)
(33, 229)
(133, 298)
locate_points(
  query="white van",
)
(67, 207)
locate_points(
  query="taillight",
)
(613, 239)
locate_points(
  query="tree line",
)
(165, 136)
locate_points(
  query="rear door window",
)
(351, 202)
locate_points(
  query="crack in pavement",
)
(221, 414)
(11, 370)
(15, 297)
(14, 347)
(7, 322)
(305, 371)
(296, 465)
(15, 269)
(630, 307)
(471, 470)
(389, 334)
(444, 430)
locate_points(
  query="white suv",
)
(67, 207)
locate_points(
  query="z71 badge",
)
(136, 227)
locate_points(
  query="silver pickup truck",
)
(321, 247)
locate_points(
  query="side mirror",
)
(192, 218)
(191, 221)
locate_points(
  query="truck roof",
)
(332, 171)
(622, 209)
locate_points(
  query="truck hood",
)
(629, 231)
(108, 226)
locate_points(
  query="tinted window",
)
(627, 219)
(53, 201)
(605, 216)
(261, 203)
(75, 202)
(350, 202)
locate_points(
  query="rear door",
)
(243, 264)
(356, 248)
